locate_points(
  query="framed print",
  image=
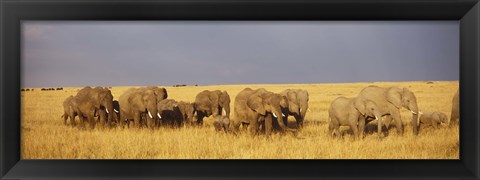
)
(239, 89)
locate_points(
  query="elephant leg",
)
(82, 123)
(268, 126)
(361, 125)
(330, 130)
(65, 117)
(91, 120)
(299, 121)
(354, 128)
(398, 120)
(435, 124)
(121, 120)
(200, 116)
(102, 117)
(72, 120)
(253, 127)
(136, 119)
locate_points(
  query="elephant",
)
(389, 101)
(297, 105)
(221, 123)
(352, 112)
(209, 103)
(188, 111)
(455, 115)
(70, 110)
(135, 102)
(93, 101)
(252, 106)
(169, 113)
(433, 119)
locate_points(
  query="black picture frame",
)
(14, 11)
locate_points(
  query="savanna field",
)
(44, 136)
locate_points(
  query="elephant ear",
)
(164, 93)
(394, 96)
(224, 98)
(359, 105)
(256, 103)
(292, 96)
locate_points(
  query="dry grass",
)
(45, 137)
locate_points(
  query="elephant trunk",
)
(111, 116)
(414, 110)
(378, 117)
(414, 122)
(152, 116)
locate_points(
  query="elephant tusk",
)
(413, 113)
(116, 110)
(224, 111)
(274, 115)
(376, 118)
(158, 114)
(107, 110)
(150, 114)
(283, 115)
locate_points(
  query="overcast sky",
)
(106, 53)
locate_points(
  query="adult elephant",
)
(297, 105)
(352, 112)
(253, 106)
(209, 103)
(93, 101)
(135, 102)
(389, 101)
(455, 116)
(70, 110)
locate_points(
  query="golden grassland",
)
(44, 136)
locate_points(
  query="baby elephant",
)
(351, 112)
(432, 119)
(221, 123)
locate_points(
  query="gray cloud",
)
(60, 53)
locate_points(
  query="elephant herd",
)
(258, 110)
(383, 105)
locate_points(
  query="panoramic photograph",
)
(240, 90)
